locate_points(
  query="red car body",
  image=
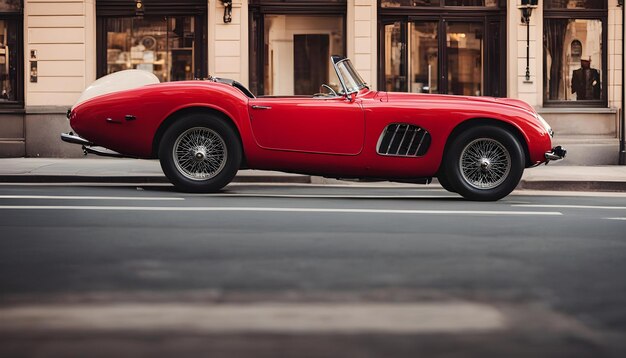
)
(334, 136)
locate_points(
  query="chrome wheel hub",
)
(485, 163)
(199, 153)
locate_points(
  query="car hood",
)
(458, 100)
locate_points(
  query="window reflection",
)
(10, 5)
(161, 45)
(8, 60)
(465, 58)
(573, 59)
(397, 3)
(424, 57)
(395, 79)
(418, 3)
(575, 4)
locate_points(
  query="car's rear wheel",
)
(484, 163)
(200, 153)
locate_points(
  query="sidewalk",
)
(90, 170)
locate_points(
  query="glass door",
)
(395, 57)
(464, 52)
(424, 57)
(442, 55)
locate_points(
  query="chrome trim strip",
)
(392, 138)
(420, 144)
(408, 149)
(403, 136)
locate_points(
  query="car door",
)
(308, 124)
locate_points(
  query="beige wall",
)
(361, 39)
(517, 86)
(63, 35)
(228, 43)
(615, 57)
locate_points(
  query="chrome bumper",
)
(74, 139)
(556, 153)
(89, 147)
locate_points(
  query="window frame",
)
(577, 14)
(18, 103)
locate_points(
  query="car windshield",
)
(348, 75)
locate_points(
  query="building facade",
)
(564, 57)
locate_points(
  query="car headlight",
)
(545, 125)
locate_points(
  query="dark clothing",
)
(586, 83)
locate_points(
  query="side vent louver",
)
(404, 140)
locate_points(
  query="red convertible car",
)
(204, 131)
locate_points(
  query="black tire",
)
(444, 182)
(484, 163)
(208, 162)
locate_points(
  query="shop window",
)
(161, 45)
(574, 55)
(424, 3)
(11, 83)
(575, 4)
(165, 38)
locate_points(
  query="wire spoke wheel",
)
(485, 163)
(199, 153)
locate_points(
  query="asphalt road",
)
(305, 270)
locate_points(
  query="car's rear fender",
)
(182, 112)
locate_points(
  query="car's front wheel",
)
(200, 153)
(484, 163)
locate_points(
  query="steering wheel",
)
(330, 89)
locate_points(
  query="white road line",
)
(570, 206)
(288, 210)
(327, 196)
(391, 318)
(622, 219)
(67, 197)
(591, 194)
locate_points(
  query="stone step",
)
(582, 121)
(12, 148)
(588, 150)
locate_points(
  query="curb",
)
(572, 185)
(157, 179)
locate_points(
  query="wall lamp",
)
(527, 11)
(228, 10)
(139, 10)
